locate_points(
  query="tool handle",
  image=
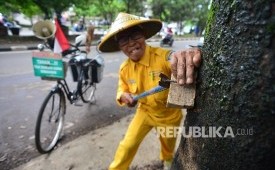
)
(149, 92)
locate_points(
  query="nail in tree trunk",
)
(235, 91)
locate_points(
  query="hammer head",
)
(165, 81)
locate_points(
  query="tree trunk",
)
(235, 91)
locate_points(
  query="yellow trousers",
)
(139, 127)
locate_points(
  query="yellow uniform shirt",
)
(137, 77)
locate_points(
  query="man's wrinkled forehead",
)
(129, 31)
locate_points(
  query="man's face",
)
(132, 43)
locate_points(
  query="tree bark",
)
(235, 90)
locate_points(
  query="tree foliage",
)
(181, 10)
(55, 6)
(106, 9)
(166, 10)
(134, 6)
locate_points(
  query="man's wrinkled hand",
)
(183, 64)
(128, 99)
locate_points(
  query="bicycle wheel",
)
(50, 121)
(86, 89)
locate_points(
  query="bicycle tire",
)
(86, 89)
(50, 121)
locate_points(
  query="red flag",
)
(60, 43)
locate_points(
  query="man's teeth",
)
(134, 50)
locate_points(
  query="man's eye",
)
(123, 41)
(136, 35)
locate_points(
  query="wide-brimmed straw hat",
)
(124, 21)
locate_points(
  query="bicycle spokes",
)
(55, 111)
(50, 122)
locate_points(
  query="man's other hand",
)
(128, 99)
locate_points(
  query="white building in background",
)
(21, 19)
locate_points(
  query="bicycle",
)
(50, 118)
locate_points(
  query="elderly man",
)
(140, 72)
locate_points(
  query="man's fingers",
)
(127, 98)
(131, 100)
(174, 62)
(189, 68)
(181, 67)
(197, 58)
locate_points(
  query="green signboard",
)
(47, 65)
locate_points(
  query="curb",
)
(18, 48)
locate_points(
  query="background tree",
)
(25, 6)
(106, 9)
(235, 89)
(31, 11)
(182, 10)
(186, 10)
(48, 8)
(161, 9)
(56, 6)
(134, 6)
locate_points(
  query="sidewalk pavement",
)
(95, 151)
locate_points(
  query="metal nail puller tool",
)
(164, 84)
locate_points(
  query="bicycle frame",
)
(62, 85)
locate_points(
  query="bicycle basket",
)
(96, 69)
(75, 69)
